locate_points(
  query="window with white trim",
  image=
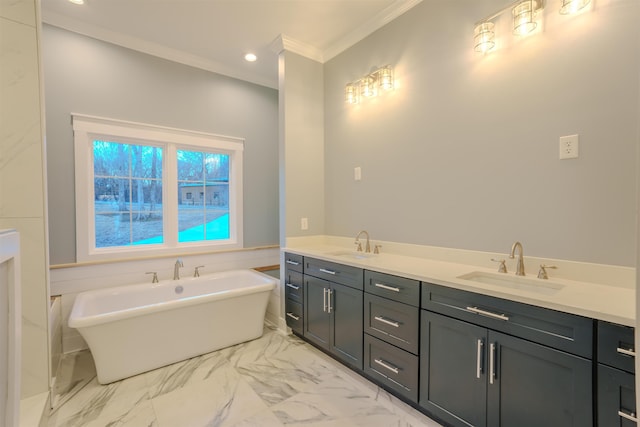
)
(144, 190)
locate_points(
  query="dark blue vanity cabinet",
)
(464, 358)
(616, 376)
(486, 361)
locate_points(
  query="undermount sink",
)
(541, 286)
(352, 254)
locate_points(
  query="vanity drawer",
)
(391, 367)
(333, 272)
(616, 346)
(563, 331)
(294, 286)
(393, 322)
(294, 317)
(616, 398)
(294, 262)
(393, 287)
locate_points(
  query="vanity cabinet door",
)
(453, 370)
(345, 306)
(616, 398)
(333, 319)
(317, 323)
(533, 385)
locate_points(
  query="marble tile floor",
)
(274, 381)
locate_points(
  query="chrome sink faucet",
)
(367, 247)
(176, 269)
(520, 262)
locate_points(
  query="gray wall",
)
(464, 153)
(86, 76)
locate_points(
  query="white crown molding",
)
(378, 21)
(154, 49)
(391, 12)
(284, 42)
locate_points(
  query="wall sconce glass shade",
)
(351, 93)
(385, 78)
(483, 37)
(368, 86)
(524, 17)
(570, 7)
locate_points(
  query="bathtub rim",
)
(78, 320)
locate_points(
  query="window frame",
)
(86, 129)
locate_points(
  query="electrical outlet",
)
(304, 223)
(569, 147)
(357, 173)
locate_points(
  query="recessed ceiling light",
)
(250, 57)
(77, 1)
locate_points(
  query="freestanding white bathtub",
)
(137, 328)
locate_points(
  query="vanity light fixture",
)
(569, 7)
(524, 20)
(77, 1)
(369, 86)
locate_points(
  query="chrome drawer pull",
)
(324, 270)
(479, 359)
(289, 285)
(477, 310)
(329, 295)
(386, 365)
(324, 299)
(388, 288)
(630, 416)
(292, 262)
(293, 316)
(626, 352)
(386, 321)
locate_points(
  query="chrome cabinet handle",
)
(324, 299)
(479, 359)
(497, 316)
(629, 416)
(388, 288)
(329, 295)
(292, 286)
(492, 359)
(293, 316)
(292, 262)
(629, 352)
(387, 365)
(324, 270)
(387, 321)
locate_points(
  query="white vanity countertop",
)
(599, 301)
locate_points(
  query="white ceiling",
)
(216, 34)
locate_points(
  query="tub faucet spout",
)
(176, 269)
